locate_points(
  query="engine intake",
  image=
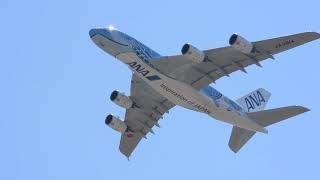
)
(241, 44)
(192, 53)
(116, 124)
(121, 99)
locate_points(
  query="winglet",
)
(316, 34)
(310, 36)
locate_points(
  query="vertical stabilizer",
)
(254, 101)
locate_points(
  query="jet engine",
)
(116, 124)
(121, 99)
(192, 53)
(241, 44)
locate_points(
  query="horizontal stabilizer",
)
(271, 116)
(240, 136)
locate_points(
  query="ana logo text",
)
(139, 68)
(254, 100)
(142, 70)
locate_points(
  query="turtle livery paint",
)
(183, 80)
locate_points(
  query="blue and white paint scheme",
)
(137, 56)
(140, 60)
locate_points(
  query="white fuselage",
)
(175, 91)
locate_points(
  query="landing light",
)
(111, 27)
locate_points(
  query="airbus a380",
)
(161, 82)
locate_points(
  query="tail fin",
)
(240, 136)
(254, 101)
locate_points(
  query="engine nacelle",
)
(121, 99)
(240, 44)
(192, 53)
(116, 124)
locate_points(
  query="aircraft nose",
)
(101, 31)
(94, 32)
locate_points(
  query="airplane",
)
(161, 82)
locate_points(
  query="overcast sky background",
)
(55, 87)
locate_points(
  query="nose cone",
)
(106, 39)
(102, 32)
(94, 32)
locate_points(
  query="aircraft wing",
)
(223, 61)
(149, 108)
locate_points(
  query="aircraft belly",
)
(184, 95)
(175, 91)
